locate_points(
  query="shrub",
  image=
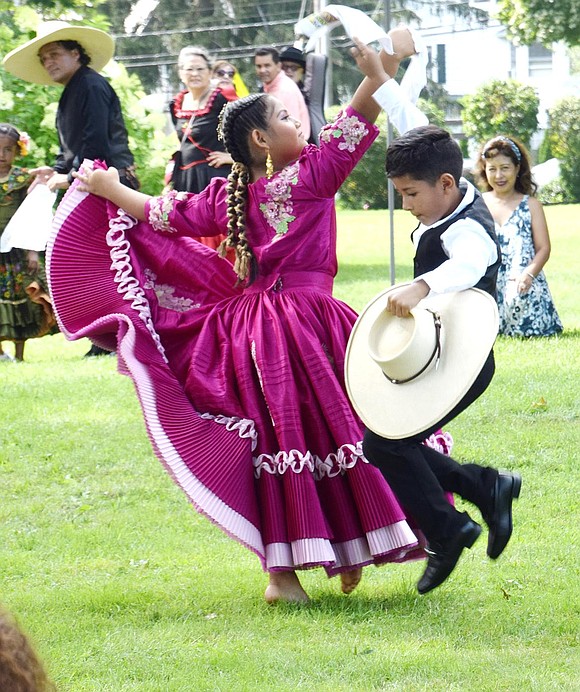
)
(564, 137)
(554, 193)
(501, 107)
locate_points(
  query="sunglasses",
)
(225, 73)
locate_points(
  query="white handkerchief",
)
(30, 226)
(355, 23)
(415, 77)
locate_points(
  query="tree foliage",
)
(544, 21)
(563, 136)
(148, 49)
(501, 107)
(232, 29)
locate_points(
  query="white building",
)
(465, 55)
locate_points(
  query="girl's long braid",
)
(238, 120)
(237, 191)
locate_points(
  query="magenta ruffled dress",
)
(242, 389)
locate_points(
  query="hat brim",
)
(23, 62)
(469, 328)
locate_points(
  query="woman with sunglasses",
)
(228, 79)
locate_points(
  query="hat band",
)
(436, 353)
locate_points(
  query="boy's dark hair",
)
(20, 668)
(425, 153)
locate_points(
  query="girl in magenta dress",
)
(239, 370)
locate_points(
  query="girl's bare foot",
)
(350, 580)
(286, 587)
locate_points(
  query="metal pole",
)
(390, 188)
(324, 48)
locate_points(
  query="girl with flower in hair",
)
(525, 303)
(20, 317)
(239, 369)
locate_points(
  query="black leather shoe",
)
(506, 488)
(96, 351)
(443, 557)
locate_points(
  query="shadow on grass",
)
(359, 608)
(566, 334)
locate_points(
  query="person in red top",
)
(195, 112)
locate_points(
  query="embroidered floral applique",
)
(278, 210)
(161, 207)
(349, 127)
(17, 179)
(165, 295)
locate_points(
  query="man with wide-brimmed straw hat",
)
(89, 120)
(421, 352)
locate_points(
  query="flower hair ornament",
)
(492, 144)
(23, 143)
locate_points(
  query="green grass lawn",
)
(122, 586)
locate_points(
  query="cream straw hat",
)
(24, 62)
(403, 374)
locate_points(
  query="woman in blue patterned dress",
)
(525, 304)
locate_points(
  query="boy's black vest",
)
(430, 253)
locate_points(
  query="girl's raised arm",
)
(369, 63)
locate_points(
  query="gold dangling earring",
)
(269, 166)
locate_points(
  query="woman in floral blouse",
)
(239, 370)
(20, 318)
